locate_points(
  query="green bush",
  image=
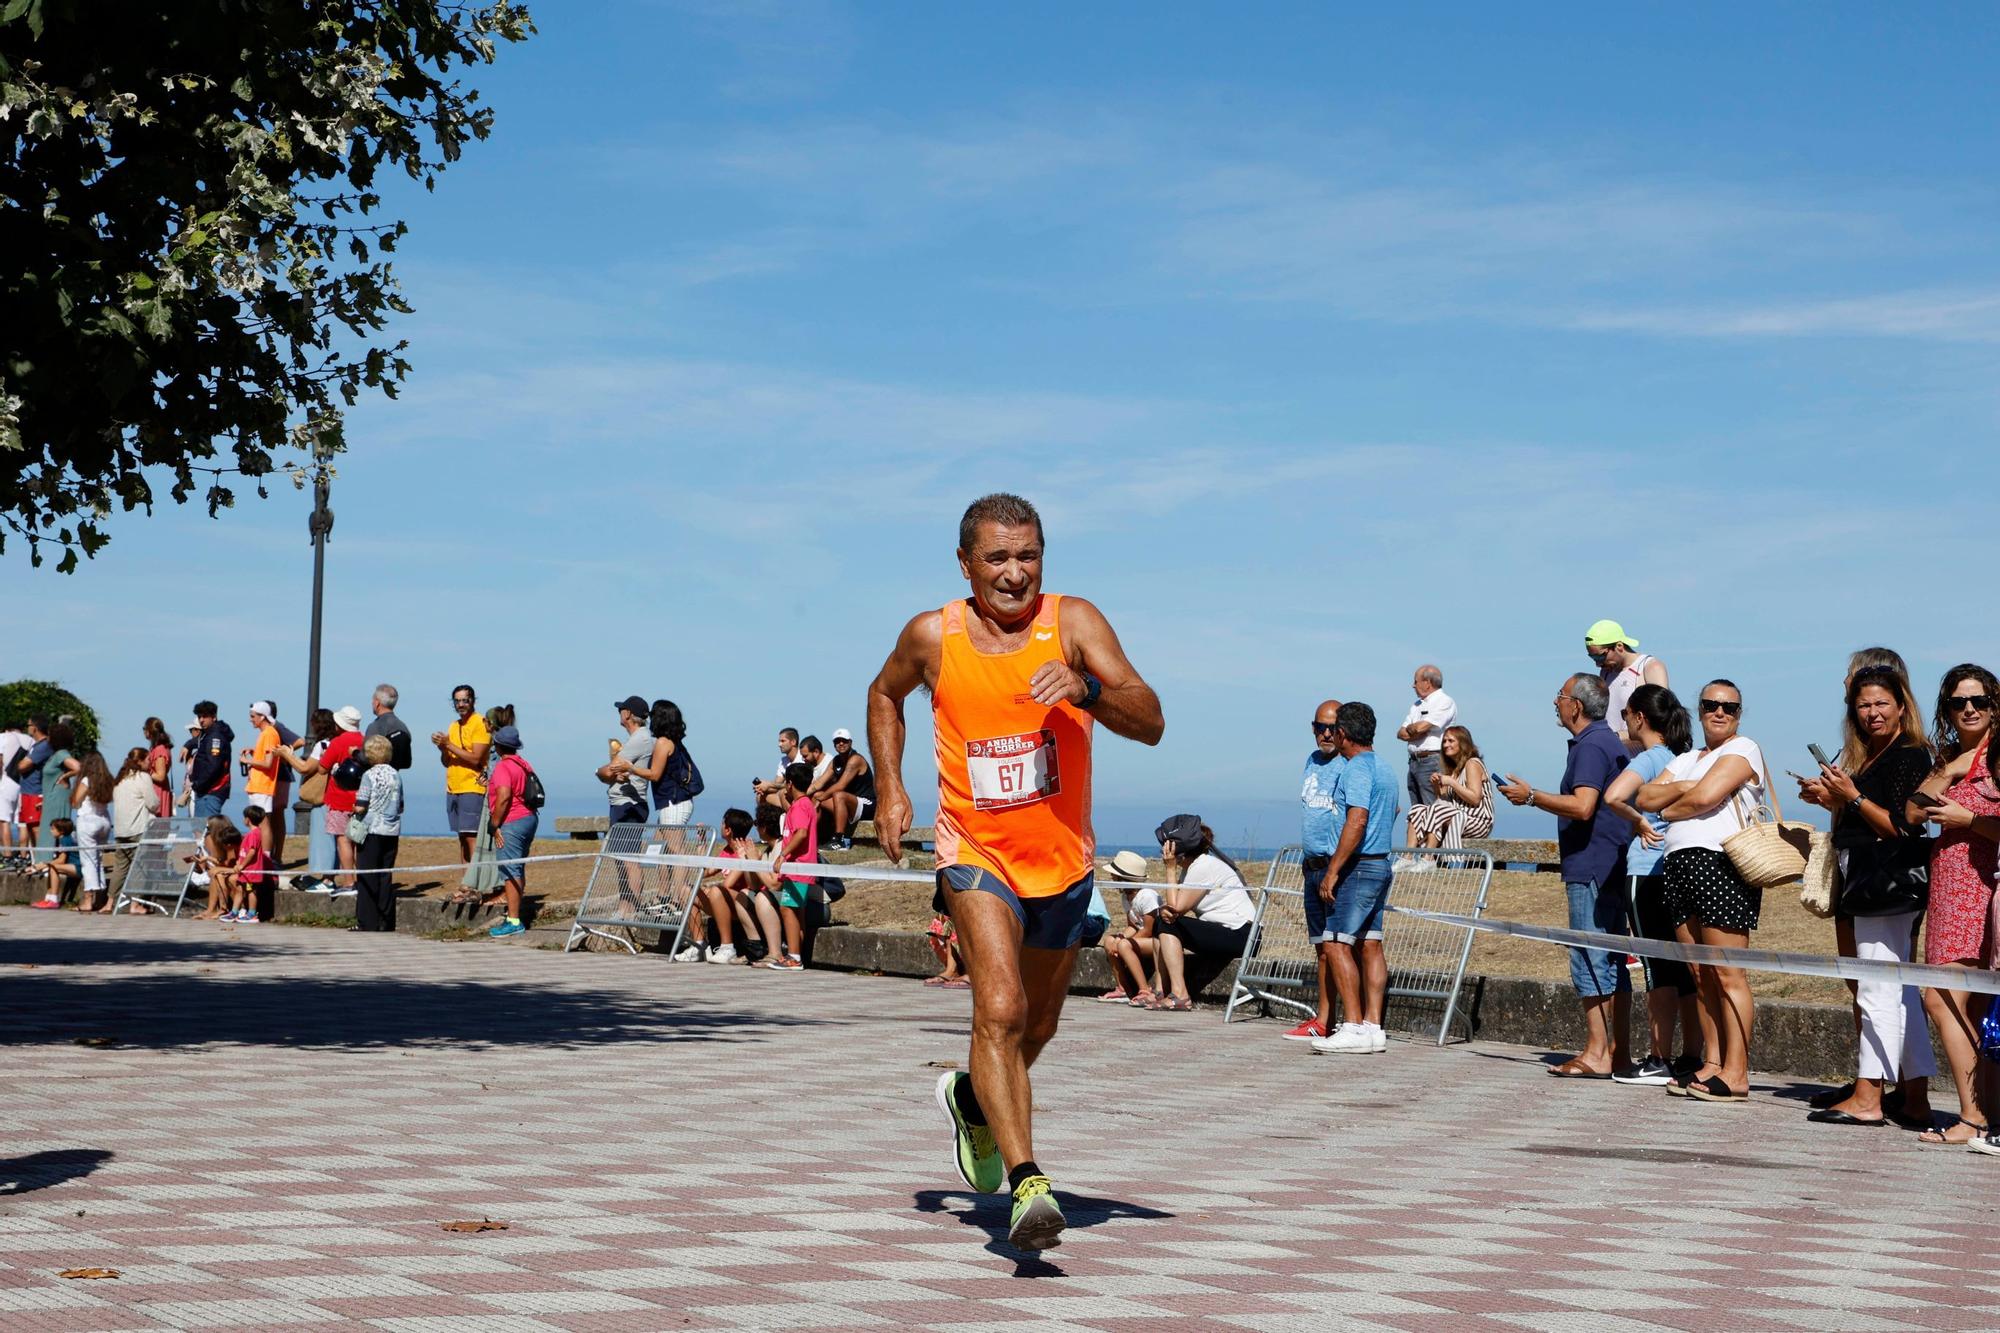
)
(24, 698)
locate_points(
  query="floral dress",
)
(1962, 869)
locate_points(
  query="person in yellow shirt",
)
(462, 749)
(260, 787)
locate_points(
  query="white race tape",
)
(1760, 960)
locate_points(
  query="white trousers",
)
(92, 829)
(1895, 1040)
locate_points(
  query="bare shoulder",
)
(913, 661)
(1080, 614)
(925, 630)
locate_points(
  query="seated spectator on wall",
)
(772, 792)
(1129, 950)
(1461, 800)
(814, 753)
(942, 936)
(799, 846)
(211, 867)
(720, 895)
(848, 790)
(1207, 912)
(62, 871)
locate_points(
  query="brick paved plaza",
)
(264, 1127)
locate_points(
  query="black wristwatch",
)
(1093, 688)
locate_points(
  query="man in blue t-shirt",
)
(1316, 843)
(1591, 837)
(1367, 804)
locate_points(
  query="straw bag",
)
(1821, 878)
(1767, 852)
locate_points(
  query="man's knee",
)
(1000, 1018)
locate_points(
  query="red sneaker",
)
(1306, 1031)
(45, 905)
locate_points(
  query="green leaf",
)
(141, 283)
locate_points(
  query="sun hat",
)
(842, 734)
(348, 718)
(1125, 866)
(507, 738)
(1607, 632)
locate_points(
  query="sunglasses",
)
(1325, 728)
(1722, 706)
(1981, 702)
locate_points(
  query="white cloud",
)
(1947, 315)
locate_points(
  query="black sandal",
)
(1713, 1089)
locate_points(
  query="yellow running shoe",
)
(977, 1154)
(1038, 1221)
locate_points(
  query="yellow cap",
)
(1607, 632)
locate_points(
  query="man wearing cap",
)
(281, 800)
(848, 791)
(629, 790)
(208, 770)
(1623, 668)
(260, 761)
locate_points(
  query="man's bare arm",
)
(1127, 704)
(909, 666)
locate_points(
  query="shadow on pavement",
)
(1657, 1156)
(991, 1213)
(40, 1170)
(356, 1013)
(123, 950)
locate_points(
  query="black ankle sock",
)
(1021, 1173)
(968, 1104)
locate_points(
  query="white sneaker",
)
(694, 953)
(1347, 1039)
(1378, 1040)
(1988, 1144)
(1401, 863)
(1419, 865)
(725, 954)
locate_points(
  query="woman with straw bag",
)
(1884, 886)
(1698, 795)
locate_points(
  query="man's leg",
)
(1346, 980)
(1374, 981)
(989, 940)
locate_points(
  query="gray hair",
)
(1589, 692)
(1008, 511)
(1430, 675)
(386, 695)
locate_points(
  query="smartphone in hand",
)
(1819, 754)
(1924, 800)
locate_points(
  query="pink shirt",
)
(803, 815)
(511, 772)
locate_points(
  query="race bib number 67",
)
(1007, 771)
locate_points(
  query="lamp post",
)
(321, 526)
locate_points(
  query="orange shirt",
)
(1013, 775)
(262, 782)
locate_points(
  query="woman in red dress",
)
(1960, 799)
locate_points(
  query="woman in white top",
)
(1208, 911)
(134, 799)
(1703, 796)
(93, 789)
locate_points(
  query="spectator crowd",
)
(1649, 816)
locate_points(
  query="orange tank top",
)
(1013, 775)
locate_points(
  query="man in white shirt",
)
(772, 793)
(1423, 730)
(13, 743)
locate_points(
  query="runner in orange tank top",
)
(1018, 681)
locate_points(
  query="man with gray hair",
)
(1423, 731)
(387, 724)
(1591, 837)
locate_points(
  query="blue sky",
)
(1329, 339)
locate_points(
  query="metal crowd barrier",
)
(1427, 959)
(161, 864)
(624, 896)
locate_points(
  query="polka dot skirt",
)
(1702, 884)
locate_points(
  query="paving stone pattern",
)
(285, 1116)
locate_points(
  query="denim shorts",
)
(1359, 898)
(1316, 909)
(1591, 971)
(1052, 922)
(516, 836)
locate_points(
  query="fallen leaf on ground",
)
(89, 1272)
(96, 1041)
(487, 1224)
